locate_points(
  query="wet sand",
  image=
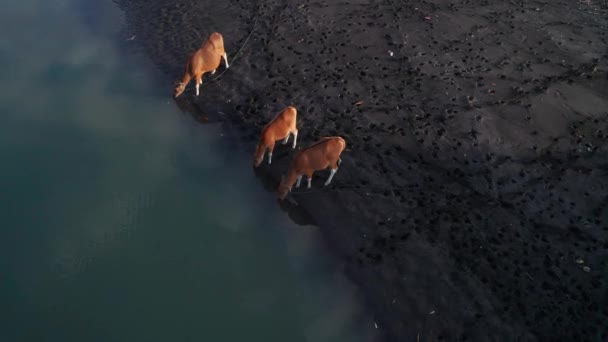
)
(472, 202)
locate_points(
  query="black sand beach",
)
(472, 202)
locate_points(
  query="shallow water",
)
(124, 220)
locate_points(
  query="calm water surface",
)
(121, 219)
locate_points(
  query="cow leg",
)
(309, 175)
(226, 60)
(299, 181)
(270, 149)
(199, 81)
(331, 175)
(295, 138)
(286, 138)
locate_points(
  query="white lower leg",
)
(295, 139)
(309, 180)
(286, 139)
(197, 85)
(331, 175)
(269, 158)
(299, 181)
(213, 72)
(226, 60)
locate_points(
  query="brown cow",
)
(318, 156)
(206, 59)
(280, 128)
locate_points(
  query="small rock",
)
(586, 269)
(579, 261)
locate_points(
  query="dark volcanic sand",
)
(473, 200)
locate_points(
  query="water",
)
(123, 219)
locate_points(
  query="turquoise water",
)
(123, 219)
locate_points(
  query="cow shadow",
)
(270, 181)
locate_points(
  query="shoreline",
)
(474, 183)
